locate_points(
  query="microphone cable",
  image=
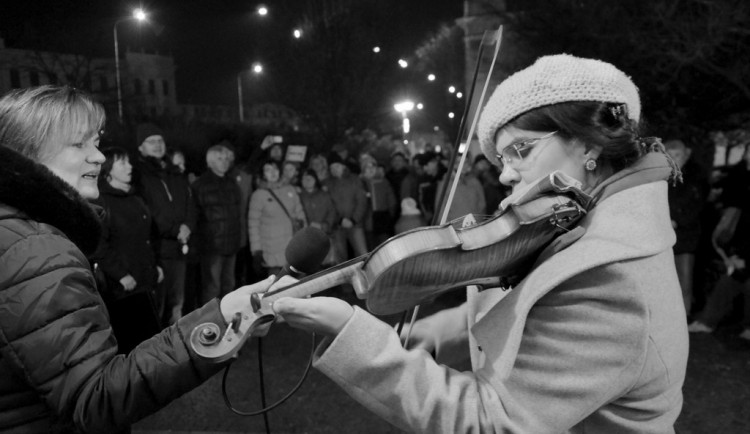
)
(265, 409)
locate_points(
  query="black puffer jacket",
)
(58, 369)
(217, 202)
(128, 242)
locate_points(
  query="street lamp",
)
(257, 69)
(138, 15)
(404, 108)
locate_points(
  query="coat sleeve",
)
(575, 357)
(257, 201)
(361, 205)
(65, 349)
(298, 211)
(110, 260)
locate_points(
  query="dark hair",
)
(310, 172)
(270, 162)
(112, 154)
(594, 123)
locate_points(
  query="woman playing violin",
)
(594, 338)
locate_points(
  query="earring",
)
(590, 165)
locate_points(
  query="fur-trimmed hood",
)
(34, 192)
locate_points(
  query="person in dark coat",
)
(59, 368)
(319, 209)
(731, 239)
(217, 198)
(168, 196)
(350, 200)
(125, 256)
(427, 183)
(686, 202)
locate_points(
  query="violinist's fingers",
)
(285, 281)
(257, 287)
(323, 315)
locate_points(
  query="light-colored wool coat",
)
(269, 226)
(593, 340)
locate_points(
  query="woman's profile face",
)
(270, 173)
(540, 158)
(79, 163)
(121, 171)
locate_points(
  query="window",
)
(103, 83)
(152, 87)
(137, 85)
(34, 78)
(165, 85)
(15, 79)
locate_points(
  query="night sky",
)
(211, 40)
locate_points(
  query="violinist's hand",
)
(322, 315)
(239, 299)
(421, 337)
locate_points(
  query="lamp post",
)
(138, 15)
(257, 69)
(404, 108)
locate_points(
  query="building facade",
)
(147, 80)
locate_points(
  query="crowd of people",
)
(111, 261)
(173, 242)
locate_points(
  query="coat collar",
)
(632, 223)
(34, 192)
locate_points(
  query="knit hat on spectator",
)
(551, 80)
(409, 207)
(144, 131)
(334, 158)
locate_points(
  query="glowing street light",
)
(404, 108)
(451, 115)
(403, 63)
(420, 106)
(257, 69)
(452, 89)
(262, 11)
(459, 95)
(431, 77)
(376, 49)
(140, 16)
(297, 33)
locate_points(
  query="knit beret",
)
(551, 80)
(144, 131)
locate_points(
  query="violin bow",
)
(490, 37)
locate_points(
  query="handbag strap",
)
(282, 204)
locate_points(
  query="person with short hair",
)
(217, 200)
(594, 337)
(125, 257)
(274, 214)
(59, 368)
(167, 193)
(350, 199)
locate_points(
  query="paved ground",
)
(717, 393)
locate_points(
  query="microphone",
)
(305, 252)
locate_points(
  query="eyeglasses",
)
(514, 154)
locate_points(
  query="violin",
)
(418, 265)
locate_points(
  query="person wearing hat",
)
(593, 338)
(168, 197)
